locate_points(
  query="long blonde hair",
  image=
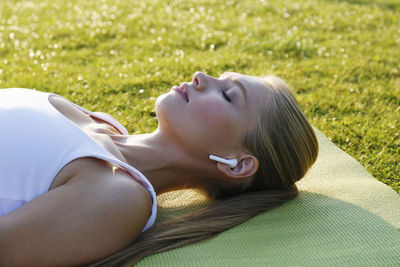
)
(285, 145)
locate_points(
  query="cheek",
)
(214, 122)
(211, 112)
(203, 125)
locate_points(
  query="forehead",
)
(246, 79)
(251, 83)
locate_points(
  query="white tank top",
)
(37, 141)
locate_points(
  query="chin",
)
(163, 110)
(160, 104)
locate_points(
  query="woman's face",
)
(209, 115)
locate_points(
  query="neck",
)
(166, 165)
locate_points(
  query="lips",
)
(182, 91)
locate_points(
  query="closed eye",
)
(226, 96)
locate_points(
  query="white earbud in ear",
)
(231, 162)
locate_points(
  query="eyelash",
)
(226, 96)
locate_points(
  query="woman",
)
(88, 206)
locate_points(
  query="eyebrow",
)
(242, 88)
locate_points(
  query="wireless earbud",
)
(231, 162)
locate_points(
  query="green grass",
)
(340, 57)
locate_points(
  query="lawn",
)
(341, 58)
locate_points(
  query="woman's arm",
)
(77, 223)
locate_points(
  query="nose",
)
(201, 80)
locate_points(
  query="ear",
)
(246, 167)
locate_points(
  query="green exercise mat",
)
(342, 217)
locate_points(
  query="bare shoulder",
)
(118, 191)
(126, 193)
(104, 114)
(86, 219)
